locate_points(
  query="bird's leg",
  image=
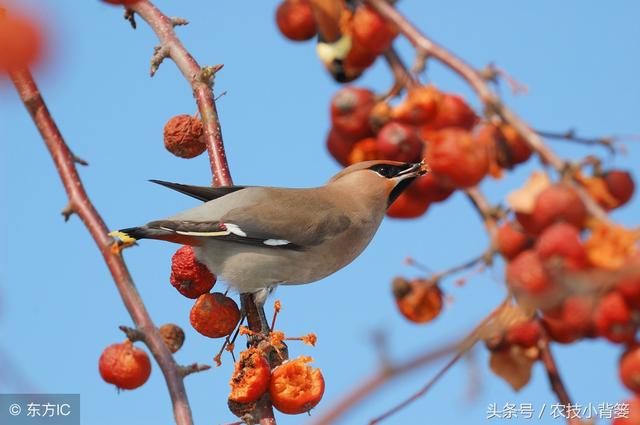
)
(253, 308)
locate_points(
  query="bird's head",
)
(380, 179)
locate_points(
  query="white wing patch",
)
(235, 229)
(276, 242)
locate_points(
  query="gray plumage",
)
(258, 237)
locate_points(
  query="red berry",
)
(453, 111)
(629, 288)
(295, 20)
(506, 144)
(560, 244)
(214, 315)
(399, 142)
(454, 156)
(20, 42)
(358, 59)
(528, 279)
(511, 240)
(190, 277)
(183, 136)
(525, 334)
(296, 387)
(250, 377)
(408, 205)
(372, 31)
(124, 366)
(630, 369)
(613, 319)
(350, 110)
(339, 146)
(558, 203)
(559, 330)
(621, 185)
(430, 188)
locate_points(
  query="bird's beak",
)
(413, 170)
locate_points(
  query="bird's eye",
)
(385, 170)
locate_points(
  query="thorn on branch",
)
(159, 54)
(129, 15)
(79, 160)
(207, 74)
(179, 21)
(491, 73)
(224, 93)
(193, 368)
(132, 334)
(67, 211)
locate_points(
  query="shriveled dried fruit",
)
(505, 143)
(610, 246)
(190, 277)
(214, 315)
(251, 377)
(183, 136)
(172, 335)
(296, 387)
(124, 365)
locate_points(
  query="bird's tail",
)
(132, 234)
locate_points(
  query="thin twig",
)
(79, 202)
(608, 142)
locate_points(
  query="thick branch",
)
(201, 81)
(492, 103)
(79, 202)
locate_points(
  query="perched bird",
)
(255, 238)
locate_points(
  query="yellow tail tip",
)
(124, 238)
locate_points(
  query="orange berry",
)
(528, 279)
(183, 136)
(630, 369)
(20, 42)
(124, 366)
(190, 277)
(250, 378)
(419, 107)
(418, 300)
(634, 414)
(295, 20)
(214, 315)
(364, 150)
(296, 387)
(511, 240)
(505, 143)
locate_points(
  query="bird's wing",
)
(273, 218)
(203, 193)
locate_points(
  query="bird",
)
(256, 237)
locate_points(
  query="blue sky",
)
(59, 307)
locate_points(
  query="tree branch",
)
(200, 80)
(493, 104)
(80, 204)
